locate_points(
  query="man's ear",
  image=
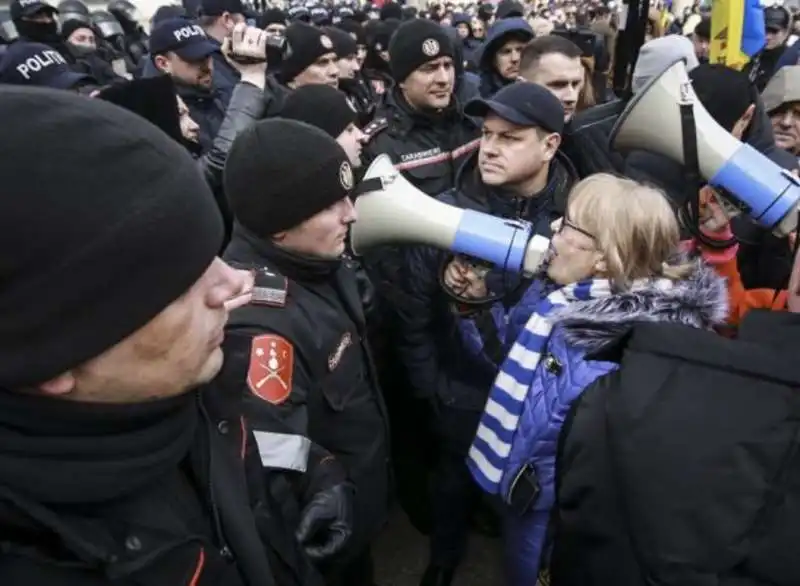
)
(743, 123)
(63, 384)
(162, 64)
(551, 143)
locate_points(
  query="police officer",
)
(298, 351)
(116, 463)
(420, 124)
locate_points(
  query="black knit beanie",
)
(70, 26)
(272, 16)
(415, 43)
(379, 35)
(304, 45)
(107, 226)
(281, 172)
(152, 98)
(354, 29)
(344, 45)
(322, 106)
(391, 10)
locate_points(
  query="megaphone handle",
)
(503, 243)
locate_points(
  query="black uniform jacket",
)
(209, 518)
(428, 148)
(298, 354)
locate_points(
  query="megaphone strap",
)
(689, 212)
(368, 186)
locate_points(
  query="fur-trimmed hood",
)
(700, 301)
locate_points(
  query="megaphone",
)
(392, 211)
(651, 121)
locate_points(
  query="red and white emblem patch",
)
(269, 375)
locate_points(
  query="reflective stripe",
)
(440, 157)
(283, 450)
(465, 148)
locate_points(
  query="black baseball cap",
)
(40, 65)
(27, 8)
(183, 37)
(220, 7)
(522, 103)
(776, 18)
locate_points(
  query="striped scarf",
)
(498, 424)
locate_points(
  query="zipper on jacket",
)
(224, 550)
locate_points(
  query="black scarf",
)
(56, 451)
(42, 32)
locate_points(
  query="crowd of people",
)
(202, 384)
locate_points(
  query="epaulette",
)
(269, 288)
(374, 128)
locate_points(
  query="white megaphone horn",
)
(651, 121)
(392, 211)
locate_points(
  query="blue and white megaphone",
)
(651, 121)
(396, 212)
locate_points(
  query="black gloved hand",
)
(326, 522)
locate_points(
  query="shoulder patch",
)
(375, 127)
(269, 374)
(269, 288)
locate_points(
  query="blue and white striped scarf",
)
(492, 444)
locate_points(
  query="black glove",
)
(326, 522)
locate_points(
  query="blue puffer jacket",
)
(567, 368)
(441, 361)
(498, 34)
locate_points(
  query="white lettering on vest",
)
(420, 154)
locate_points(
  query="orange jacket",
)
(740, 300)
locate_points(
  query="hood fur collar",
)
(700, 301)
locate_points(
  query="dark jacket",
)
(764, 65)
(225, 75)
(585, 140)
(790, 56)
(467, 84)
(329, 393)
(439, 365)
(466, 46)
(275, 93)
(427, 148)
(498, 34)
(682, 467)
(207, 108)
(361, 96)
(169, 492)
(95, 64)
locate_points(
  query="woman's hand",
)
(462, 278)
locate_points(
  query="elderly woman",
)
(614, 261)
